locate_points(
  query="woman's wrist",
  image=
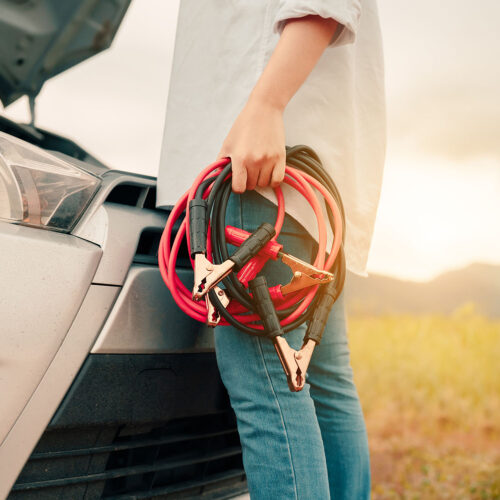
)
(262, 98)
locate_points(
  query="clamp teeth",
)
(213, 315)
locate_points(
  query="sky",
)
(440, 201)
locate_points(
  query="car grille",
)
(195, 457)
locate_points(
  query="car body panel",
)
(124, 228)
(48, 275)
(145, 319)
(57, 379)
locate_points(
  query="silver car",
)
(107, 390)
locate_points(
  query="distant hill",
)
(377, 294)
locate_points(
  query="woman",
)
(248, 78)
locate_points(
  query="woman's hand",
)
(256, 146)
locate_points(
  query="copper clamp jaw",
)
(304, 274)
(213, 315)
(294, 363)
(207, 274)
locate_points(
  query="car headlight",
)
(40, 189)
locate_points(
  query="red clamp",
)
(304, 274)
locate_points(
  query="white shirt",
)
(221, 49)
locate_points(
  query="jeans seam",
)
(281, 415)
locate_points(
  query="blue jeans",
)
(307, 445)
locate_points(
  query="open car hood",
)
(41, 38)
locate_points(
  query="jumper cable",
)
(227, 288)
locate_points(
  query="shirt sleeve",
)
(345, 12)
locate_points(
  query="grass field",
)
(430, 390)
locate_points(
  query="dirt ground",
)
(430, 390)
(407, 463)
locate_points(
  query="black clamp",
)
(294, 362)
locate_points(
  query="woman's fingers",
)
(278, 173)
(239, 172)
(239, 179)
(265, 174)
(250, 172)
(253, 167)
